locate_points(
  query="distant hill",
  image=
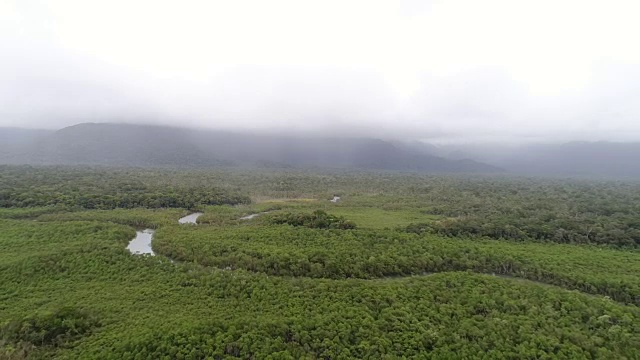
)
(606, 159)
(575, 159)
(140, 145)
(117, 145)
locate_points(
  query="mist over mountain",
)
(16, 140)
(98, 144)
(142, 145)
(574, 159)
(149, 145)
(606, 159)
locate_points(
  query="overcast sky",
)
(445, 71)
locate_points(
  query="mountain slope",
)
(139, 145)
(120, 145)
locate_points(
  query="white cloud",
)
(446, 69)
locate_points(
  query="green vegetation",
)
(372, 276)
(55, 329)
(339, 254)
(28, 213)
(376, 218)
(316, 220)
(138, 218)
(103, 189)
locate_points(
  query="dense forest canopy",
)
(499, 207)
(405, 265)
(101, 188)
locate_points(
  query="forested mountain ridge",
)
(162, 146)
(141, 145)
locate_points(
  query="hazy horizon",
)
(453, 144)
(442, 72)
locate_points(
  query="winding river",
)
(141, 244)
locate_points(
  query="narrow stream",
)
(249, 217)
(190, 219)
(141, 244)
